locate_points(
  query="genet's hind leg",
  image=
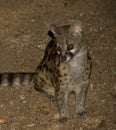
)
(49, 91)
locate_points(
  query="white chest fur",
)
(78, 63)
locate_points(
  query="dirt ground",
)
(23, 38)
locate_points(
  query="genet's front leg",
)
(80, 98)
(62, 101)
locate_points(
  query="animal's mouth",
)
(67, 57)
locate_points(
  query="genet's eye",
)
(70, 47)
(59, 50)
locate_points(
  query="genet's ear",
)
(76, 28)
(53, 31)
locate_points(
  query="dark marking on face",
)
(70, 47)
(51, 34)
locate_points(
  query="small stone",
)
(33, 20)
(24, 102)
(22, 97)
(95, 30)
(1, 106)
(103, 101)
(91, 13)
(91, 86)
(81, 14)
(56, 116)
(101, 28)
(38, 46)
(91, 29)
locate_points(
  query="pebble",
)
(91, 86)
(22, 97)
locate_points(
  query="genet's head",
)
(68, 38)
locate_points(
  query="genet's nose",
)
(63, 58)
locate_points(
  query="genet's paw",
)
(63, 119)
(82, 114)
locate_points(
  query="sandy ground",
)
(23, 38)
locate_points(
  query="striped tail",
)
(16, 79)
